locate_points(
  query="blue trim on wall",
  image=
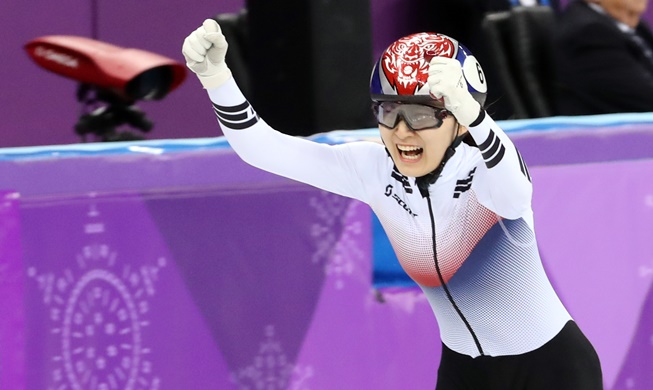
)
(558, 124)
(551, 124)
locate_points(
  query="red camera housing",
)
(129, 73)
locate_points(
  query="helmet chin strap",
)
(423, 182)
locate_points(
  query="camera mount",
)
(103, 113)
(111, 80)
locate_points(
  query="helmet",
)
(402, 71)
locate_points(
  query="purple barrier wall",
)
(185, 288)
(150, 269)
(12, 308)
(107, 304)
(594, 223)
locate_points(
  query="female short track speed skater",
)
(463, 228)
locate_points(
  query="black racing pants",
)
(567, 362)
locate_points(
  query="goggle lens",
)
(416, 116)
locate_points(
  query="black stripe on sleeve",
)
(239, 125)
(237, 117)
(491, 151)
(488, 141)
(496, 159)
(240, 107)
(231, 117)
(522, 164)
(479, 119)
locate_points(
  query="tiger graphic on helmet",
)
(402, 71)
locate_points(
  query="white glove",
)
(447, 82)
(204, 50)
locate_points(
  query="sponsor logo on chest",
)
(390, 194)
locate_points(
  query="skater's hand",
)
(204, 50)
(447, 82)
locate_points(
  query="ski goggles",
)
(416, 116)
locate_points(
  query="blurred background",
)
(169, 263)
(305, 52)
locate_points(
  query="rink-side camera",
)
(111, 80)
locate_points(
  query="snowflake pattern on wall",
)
(271, 369)
(339, 254)
(98, 313)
